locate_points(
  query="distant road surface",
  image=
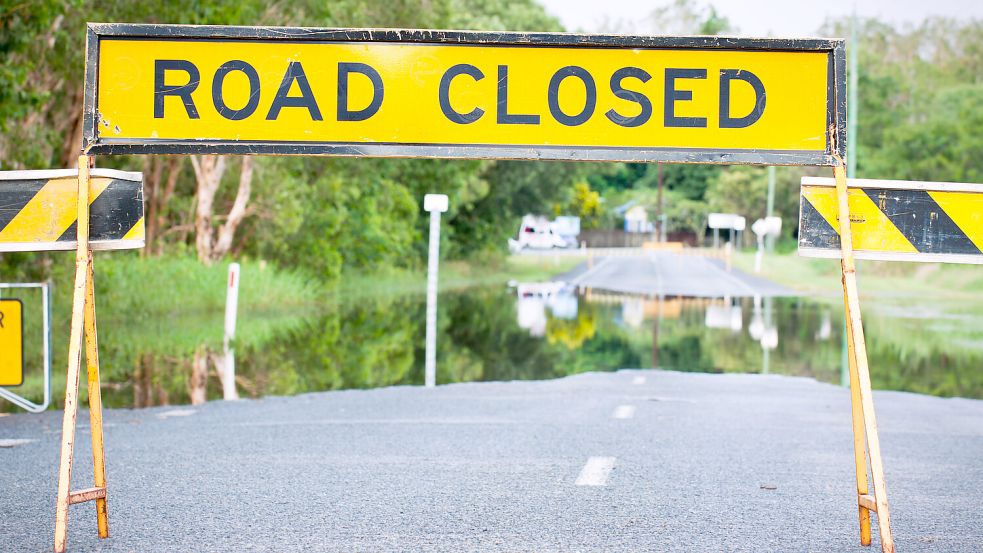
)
(669, 274)
(625, 461)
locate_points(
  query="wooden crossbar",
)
(89, 494)
(867, 502)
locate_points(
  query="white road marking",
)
(176, 413)
(677, 399)
(14, 442)
(624, 412)
(596, 471)
(589, 272)
(638, 380)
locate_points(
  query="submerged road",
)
(626, 461)
(669, 274)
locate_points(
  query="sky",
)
(786, 18)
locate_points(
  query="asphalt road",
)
(626, 461)
(668, 274)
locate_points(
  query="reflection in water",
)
(533, 300)
(546, 330)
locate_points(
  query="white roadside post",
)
(435, 204)
(768, 228)
(231, 309)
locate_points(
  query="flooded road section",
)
(549, 330)
(545, 330)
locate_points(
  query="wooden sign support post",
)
(862, 401)
(83, 327)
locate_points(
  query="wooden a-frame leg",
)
(859, 359)
(63, 500)
(95, 401)
(859, 437)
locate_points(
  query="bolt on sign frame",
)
(175, 89)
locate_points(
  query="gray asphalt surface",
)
(493, 466)
(668, 274)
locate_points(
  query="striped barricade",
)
(895, 220)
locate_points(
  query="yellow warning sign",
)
(174, 89)
(11, 342)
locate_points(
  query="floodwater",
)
(529, 331)
(545, 330)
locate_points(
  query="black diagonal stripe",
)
(14, 195)
(922, 221)
(113, 213)
(814, 230)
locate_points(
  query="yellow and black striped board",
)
(895, 220)
(38, 210)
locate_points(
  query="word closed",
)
(174, 89)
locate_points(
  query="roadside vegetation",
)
(314, 231)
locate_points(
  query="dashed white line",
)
(638, 380)
(624, 412)
(176, 413)
(15, 442)
(577, 281)
(596, 471)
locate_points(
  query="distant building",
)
(636, 217)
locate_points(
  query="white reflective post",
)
(435, 204)
(231, 309)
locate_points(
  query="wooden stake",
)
(83, 326)
(95, 401)
(859, 437)
(858, 368)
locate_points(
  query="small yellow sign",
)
(11, 342)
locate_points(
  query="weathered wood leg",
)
(95, 401)
(859, 437)
(859, 357)
(63, 500)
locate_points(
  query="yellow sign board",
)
(177, 89)
(11, 342)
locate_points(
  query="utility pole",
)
(770, 240)
(661, 231)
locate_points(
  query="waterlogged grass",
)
(172, 305)
(920, 318)
(167, 308)
(884, 279)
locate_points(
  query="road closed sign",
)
(11, 342)
(249, 90)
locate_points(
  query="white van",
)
(537, 233)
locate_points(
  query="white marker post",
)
(768, 228)
(435, 204)
(231, 309)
